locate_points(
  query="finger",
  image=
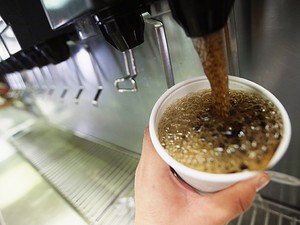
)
(238, 198)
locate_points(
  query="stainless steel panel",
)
(269, 53)
(120, 118)
(60, 12)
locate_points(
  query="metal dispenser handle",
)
(37, 81)
(85, 29)
(96, 68)
(78, 76)
(20, 80)
(65, 85)
(31, 82)
(163, 47)
(51, 78)
(16, 81)
(131, 73)
(65, 90)
(45, 80)
(12, 84)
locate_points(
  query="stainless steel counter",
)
(269, 54)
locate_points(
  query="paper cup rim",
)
(233, 177)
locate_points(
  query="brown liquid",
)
(247, 139)
(210, 49)
(220, 131)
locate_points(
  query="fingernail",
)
(262, 182)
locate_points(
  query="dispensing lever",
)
(87, 28)
(96, 68)
(51, 79)
(131, 73)
(78, 76)
(163, 47)
(37, 81)
(19, 78)
(16, 81)
(44, 77)
(65, 88)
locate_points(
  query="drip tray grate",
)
(96, 179)
(264, 212)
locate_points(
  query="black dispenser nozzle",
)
(122, 24)
(201, 17)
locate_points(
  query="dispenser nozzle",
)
(122, 26)
(201, 17)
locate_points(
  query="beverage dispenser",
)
(89, 73)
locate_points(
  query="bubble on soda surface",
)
(246, 140)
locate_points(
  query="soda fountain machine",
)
(84, 76)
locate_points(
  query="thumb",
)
(239, 197)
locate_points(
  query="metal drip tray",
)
(97, 179)
(264, 212)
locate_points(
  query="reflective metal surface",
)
(269, 54)
(163, 47)
(67, 10)
(120, 118)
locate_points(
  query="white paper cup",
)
(202, 181)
